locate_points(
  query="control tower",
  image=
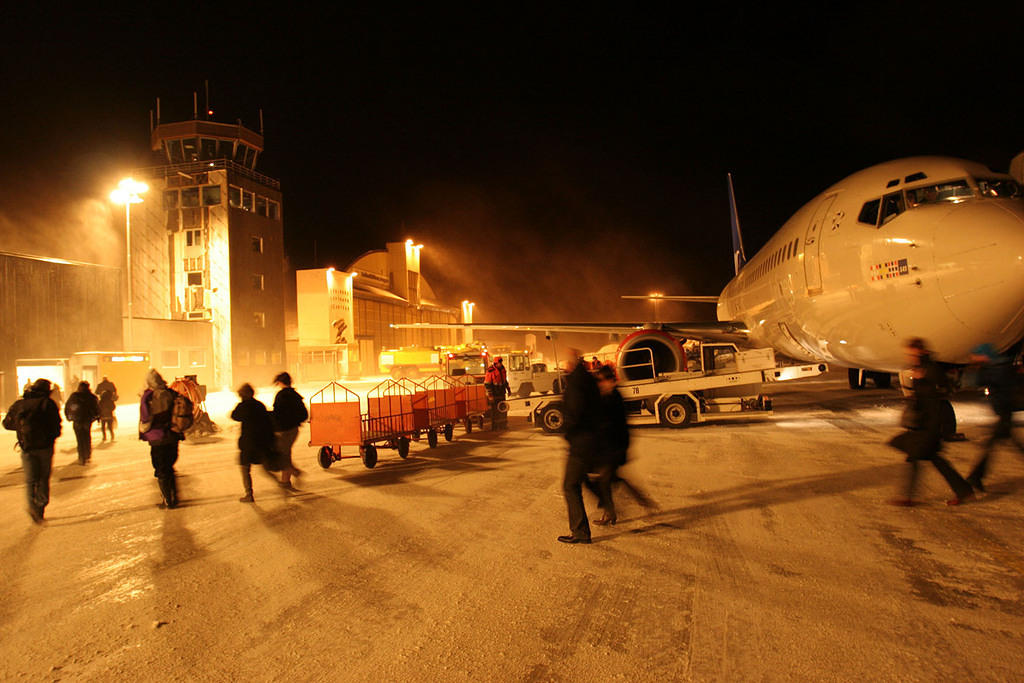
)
(207, 248)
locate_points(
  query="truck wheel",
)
(397, 372)
(432, 438)
(556, 386)
(449, 432)
(469, 425)
(369, 455)
(676, 412)
(552, 419)
(525, 389)
(403, 448)
(325, 457)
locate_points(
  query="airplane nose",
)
(979, 261)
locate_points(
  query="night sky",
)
(549, 159)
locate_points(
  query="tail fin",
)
(739, 257)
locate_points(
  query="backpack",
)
(182, 415)
(30, 423)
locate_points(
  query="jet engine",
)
(646, 349)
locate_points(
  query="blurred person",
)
(156, 410)
(582, 409)
(289, 413)
(106, 385)
(57, 396)
(496, 383)
(922, 421)
(256, 440)
(106, 404)
(82, 409)
(36, 420)
(996, 372)
(595, 364)
(613, 446)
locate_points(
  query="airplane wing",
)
(711, 331)
(673, 297)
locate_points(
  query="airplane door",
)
(812, 246)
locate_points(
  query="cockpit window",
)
(869, 212)
(999, 187)
(952, 191)
(892, 206)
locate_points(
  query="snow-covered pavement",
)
(773, 557)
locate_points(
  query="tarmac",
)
(774, 557)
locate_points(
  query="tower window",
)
(261, 205)
(208, 149)
(195, 279)
(257, 282)
(273, 209)
(191, 148)
(257, 244)
(211, 195)
(190, 197)
(193, 238)
(259, 319)
(174, 154)
(247, 200)
(225, 149)
(235, 196)
(170, 199)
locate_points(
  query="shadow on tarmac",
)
(763, 494)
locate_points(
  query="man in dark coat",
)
(923, 438)
(289, 414)
(82, 409)
(106, 385)
(997, 373)
(36, 420)
(582, 402)
(256, 441)
(156, 409)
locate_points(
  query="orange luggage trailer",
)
(470, 401)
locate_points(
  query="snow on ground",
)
(773, 556)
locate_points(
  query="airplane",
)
(929, 247)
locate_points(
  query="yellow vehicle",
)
(466, 360)
(410, 361)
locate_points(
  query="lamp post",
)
(127, 193)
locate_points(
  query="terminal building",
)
(345, 317)
(208, 257)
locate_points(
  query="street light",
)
(655, 297)
(127, 193)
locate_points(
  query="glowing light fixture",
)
(128, 192)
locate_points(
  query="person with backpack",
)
(289, 414)
(256, 441)
(36, 420)
(82, 409)
(164, 415)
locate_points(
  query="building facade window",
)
(257, 244)
(170, 199)
(190, 197)
(247, 200)
(261, 205)
(257, 282)
(211, 195)
(259, 319)
(273, 210)
(170, 359)
(193, 238)
(195, 279)
(235, 196)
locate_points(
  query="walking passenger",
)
(289, 414)
(106, 385)
(36, 420)
(106, 404)
(82, 409)
(997, 373)
(256, 441)
(582, 414)
(922, 419)
(613, 446)
(156, 410)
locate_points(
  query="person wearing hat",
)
(997, 374)
(82, 409)
(36, 420)
(289, 413)
(496, 383)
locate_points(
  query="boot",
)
(167, 492)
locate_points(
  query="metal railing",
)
(190, 167)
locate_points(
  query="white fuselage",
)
(942, 259)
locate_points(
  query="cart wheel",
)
(369, 455)
(449, 432)
(403, 448)
(480, 421)
(416, 436)
(469, 425)
(326, 456)
(552, 418)
(432, 438)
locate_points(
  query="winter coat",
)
(289, 410)
(924, 440)
(107, 405)
(155, 411)
(582, 401)
(613, 431)
(256, 441)
(34, 410)
(107, 385)
(1000, 377)
(82, 407)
